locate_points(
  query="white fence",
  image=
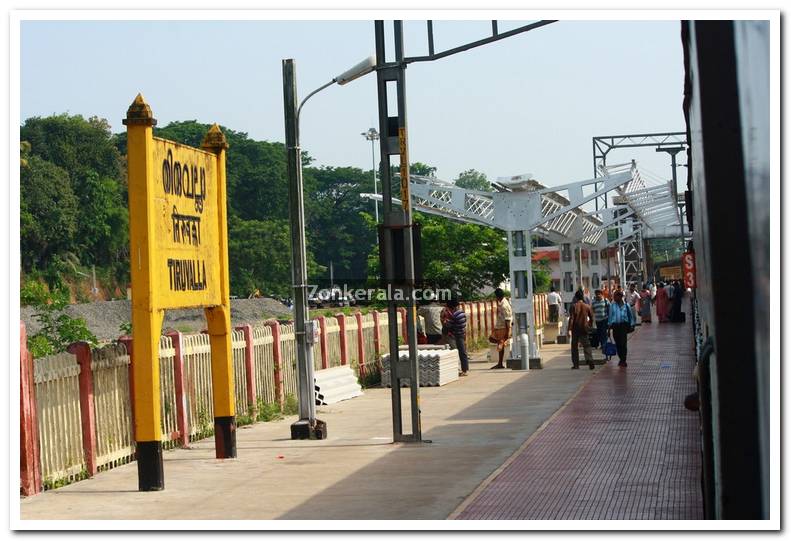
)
(264, 372)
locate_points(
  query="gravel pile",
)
(105, 318)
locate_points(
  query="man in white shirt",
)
(431, 314)
(502, 325)
(553, 301)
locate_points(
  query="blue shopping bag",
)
(610, 349)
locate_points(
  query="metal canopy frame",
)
(650, 205)
(496, 36)
(656, 219)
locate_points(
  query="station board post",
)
(218, 317)
(179, 259)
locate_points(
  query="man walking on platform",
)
(457, 324)
(621, 322)
(580, 324)
(601, 309)
(502, 325)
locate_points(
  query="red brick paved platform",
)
(623, 448)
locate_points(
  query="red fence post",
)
(360, 344)
(178, 380)
(492, 309)
(377, 338)
(342, 337)
(478, 317)
(127, 342)
(277, 355)
(468, 310)
(29, 458)
(249, 365)
(404, 333)
(88, 416)
(325, 359)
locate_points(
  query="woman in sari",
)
(662, 303)
(645, 305)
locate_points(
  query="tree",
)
(464, 258)
(336, 219)
(58, 330)
(75, 144)
(103, 228)
(419, 168)
(89, 171)
(542, 275)
(48, 212)
(260, 255)
(473, 180)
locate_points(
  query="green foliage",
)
(473, 180)
(460, 257)
(48, 213)
(33, 292)
(339, 222)
(74, 144)
(74, 214)
(665, 250)
(246, 418)
(291, 405)
(373, 376)
(261, 256)
(125, 328)
(58, 330)
(542, 276)
(103, 228)
(419, 168)
(268, 411)
(51, 483)
(73, 194)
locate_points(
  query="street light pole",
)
(674, 183)
(307, 427)
(373, 135)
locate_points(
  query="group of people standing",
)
(619, 316)
(601, 316)
(616, 317)
(667, 298)
(448, 325)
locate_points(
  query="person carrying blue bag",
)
(621, 323)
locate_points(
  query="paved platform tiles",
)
(624, 448)
(475, 424)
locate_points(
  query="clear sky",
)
(530, 103)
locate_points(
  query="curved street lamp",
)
(307, 426)
(373, 135)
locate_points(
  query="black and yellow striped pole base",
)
(225, 437)
(150, 475)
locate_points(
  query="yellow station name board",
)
(178, 259)
(187, 225)
(670, 273)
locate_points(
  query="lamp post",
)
(674, 183)
(307, 426)
(373, 135)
